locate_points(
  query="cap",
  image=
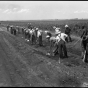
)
(66, 25)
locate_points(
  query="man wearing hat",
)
(22, 30)
(67, 31)
(14, 30)
(18, 29)
(40, 37)
(36, 33)
(11, 29)
(8, 27)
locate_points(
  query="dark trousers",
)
(11, 31)
(29, 36)
(26, 35)
(85, 48)
(61, 48)
(86, 56)
(33, 39)
(14, 32)
(40, 40)
(69, 37)
(18, 31)
(22, 31)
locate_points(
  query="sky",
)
(38, 10)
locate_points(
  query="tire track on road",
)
(11, 69)
(27, 66)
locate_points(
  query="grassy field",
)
(75, 25)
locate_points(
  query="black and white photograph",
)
(43, 43)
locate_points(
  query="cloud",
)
(6, 11)
(23, 10)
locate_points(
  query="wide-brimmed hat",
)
(66, 25)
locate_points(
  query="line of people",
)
(34, 35)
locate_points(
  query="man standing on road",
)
(67, 31)
(8, 27)
(11, 29)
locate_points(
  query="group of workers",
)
(34, 35)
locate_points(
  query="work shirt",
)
(31, 32)
(39, 33)
(63, 36)
(26, 30)
(58, 39)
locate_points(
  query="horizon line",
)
(48, 19)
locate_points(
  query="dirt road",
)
(13, 70)
(22, 65)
